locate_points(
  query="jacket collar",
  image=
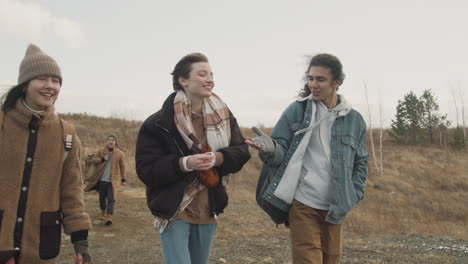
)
(165, 116)
(342, 108)
(23, 116)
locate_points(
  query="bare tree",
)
(370, 129)
(381, 133)
(443, 127)
(462, 109)
(5, 86)
(454, 96)
(3, 89)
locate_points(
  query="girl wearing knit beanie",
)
(40, 176)
(184, 154)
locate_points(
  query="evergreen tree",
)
(407, 125)
(414, 110)
(458, 138)
(430, 116)
(414, 115)
(399, 124)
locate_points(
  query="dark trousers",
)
(106, 194)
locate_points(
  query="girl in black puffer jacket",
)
(184, 153)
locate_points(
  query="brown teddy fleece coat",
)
(32, 147)
(118, 168)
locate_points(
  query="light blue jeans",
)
(185, 243)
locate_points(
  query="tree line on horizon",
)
(418, 121)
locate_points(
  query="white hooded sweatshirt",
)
(308, 173)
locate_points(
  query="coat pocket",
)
(349, 150)
(51, 231)
(6, 256)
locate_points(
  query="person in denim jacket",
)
(315, 164)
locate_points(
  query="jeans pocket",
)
(50, 238)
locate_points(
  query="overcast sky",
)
(116, 56)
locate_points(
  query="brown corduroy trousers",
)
(313, 241)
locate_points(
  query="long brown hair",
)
(8, 100)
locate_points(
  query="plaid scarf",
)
(218, 135)
(215, 122)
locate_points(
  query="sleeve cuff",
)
(79, 235)
(184, 164)
(219, 159)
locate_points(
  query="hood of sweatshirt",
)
(341, 109)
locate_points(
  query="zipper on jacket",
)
(175, 142)
(178, 147)
(182, 153)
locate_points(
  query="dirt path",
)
(244, 235)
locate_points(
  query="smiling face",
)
(200, 82)
(42, 92)
(111, 142)
(322, 85)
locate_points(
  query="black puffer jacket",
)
(158, 150)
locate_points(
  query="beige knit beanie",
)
(36, 63)
(113, 136)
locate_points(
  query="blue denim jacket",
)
(348, 161)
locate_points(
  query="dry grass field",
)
(416, 212)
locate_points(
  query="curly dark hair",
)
(184, 66)
(325, 60)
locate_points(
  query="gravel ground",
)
(246, 235)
